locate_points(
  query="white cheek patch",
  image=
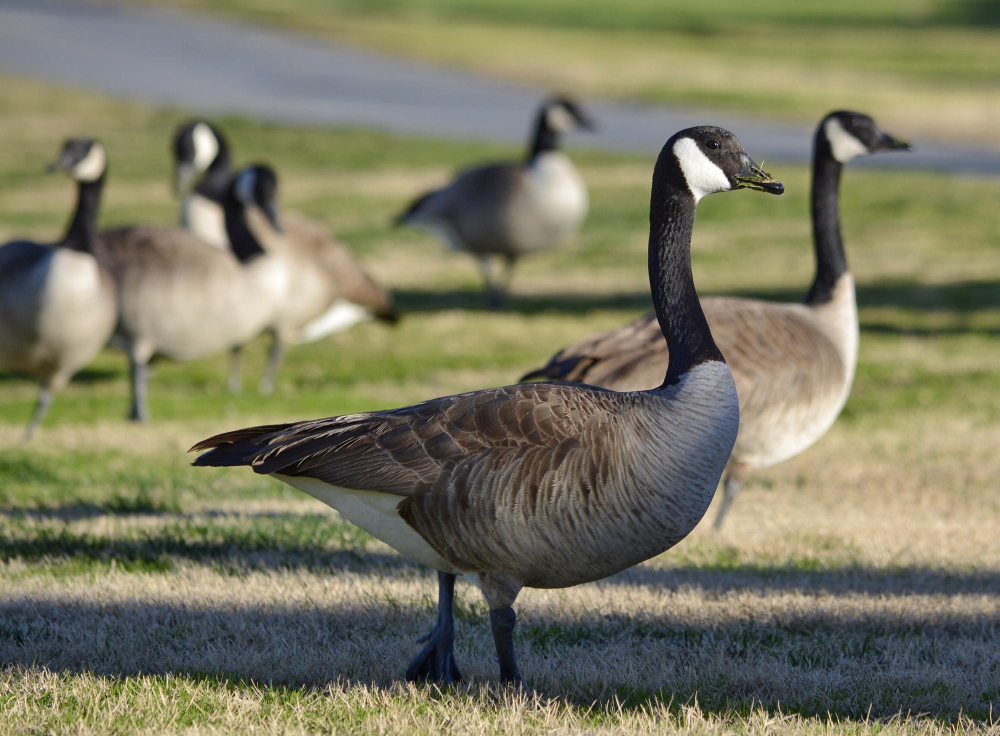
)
(245, 185)
(702, 176)
(91, 168)
(559, 119)
(206, 147)
(843, 145)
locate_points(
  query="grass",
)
(906, 61)
(855, 589)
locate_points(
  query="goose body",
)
(513, 209)
(793, 363)
(537, 485)
(182, 299)
(57, 305)
(331, 291)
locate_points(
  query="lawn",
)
(854, 588)
(927, 65)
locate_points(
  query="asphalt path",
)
(214, 67)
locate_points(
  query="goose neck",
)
(544, 139)
(215, 182)
(83, 225)
(831, 261)
(243, 242)
(678, 309)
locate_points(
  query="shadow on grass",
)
(852, 665)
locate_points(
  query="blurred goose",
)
(541, 485)
(511, 209)
(57, 305)
(330, 290)
(793, 363)
(182, 299)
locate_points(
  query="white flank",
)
(91, 168)
(340, 316)
(843, 145)
(375, 513)
(206, 147)
(702, 176)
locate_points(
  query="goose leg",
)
(508, 272)
(140, 383)
(495, 296)
(502, 621)
(274, 359)
(436, 660)
(236, 370)
(44, 402)
(735, 478)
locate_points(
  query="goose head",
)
(257, 185)
(709, 160)
(197, 147)
(562, 115)
(850, 134)
(83, 159)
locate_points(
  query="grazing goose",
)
(793, 363)
(511, 209)
(330, 290)
(541, 485)
(182, 299)
(57, 305)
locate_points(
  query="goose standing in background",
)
(542, 485)
(330, 290)
(183, 299)
(512, 209)
(793, 363)
(57, 305)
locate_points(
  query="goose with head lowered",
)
(541, 485)
(793, 363)
(509, 210)
(182, 299)
(331, 291)
(57, 305)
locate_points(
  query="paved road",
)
(216, 67)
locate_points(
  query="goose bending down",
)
(793, 363)
(331, 291)
(512, 209)
(541, 485)
(182, 299)
(57, 305)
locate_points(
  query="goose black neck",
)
(244, 244)
(678, 309)
(83, 226)
(831, 261)
(544, 139)
(215, 181)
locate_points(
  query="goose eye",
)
(714, 145)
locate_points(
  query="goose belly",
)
(375, 513)
(552, 206)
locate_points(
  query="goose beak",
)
(754, 177)
(585, 122)
(886, 142)
(271, 212)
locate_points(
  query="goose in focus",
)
(793, 363)
(509, 210)
(541, 485)
(331, 291)
(182, 299)
(57, 305)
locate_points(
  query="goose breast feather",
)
(544, 484)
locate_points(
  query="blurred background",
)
(863, 573)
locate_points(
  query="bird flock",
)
(605, 456)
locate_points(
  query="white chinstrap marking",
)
(92, 166)
(206, 147)
(559, 119)
(843, 145)
(702, 176)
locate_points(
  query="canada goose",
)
(330, 289)
(57, 305)
(793, 363)
(183, 299)
(541, 485)
(511, 209)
